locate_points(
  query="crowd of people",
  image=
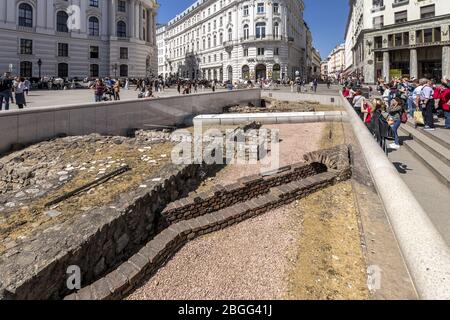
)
(13, 90)
(400, 100)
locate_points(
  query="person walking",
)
(5, 90)
(315, 84)
(27, 86)
(19, 92)
(127, 84)
(444, 101)
(427, 104)
(214, 86)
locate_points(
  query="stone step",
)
(437, 149)
(440, 136)
(439, 168)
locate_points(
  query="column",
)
(83, 7)
(446, 61)
(2, 11)
(104, 23)
(112, 18)
(136, 20)
(10, 11)
(141, 21)
(386, 66)
(413, 67)
(131, 16)
(153, 27)
(149, 23)
(269, 30)
(41, 7)
(51, 15)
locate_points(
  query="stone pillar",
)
(386, 66)
(112, 18)
(149, 24)
(413, 64)
(446, 61)
(131, 16)
(104, 19)
(136, 20)
(50, 15)
(41, 8)
(83, 21)
(153, 27)
(10, 11)
(141, 20)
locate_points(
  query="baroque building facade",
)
(398, 38)
(78, 38)
(237, 40)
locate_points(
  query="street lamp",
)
(39, 65)
(114, 66)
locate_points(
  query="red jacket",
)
(445, 98)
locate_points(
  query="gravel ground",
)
(252, 260)
(248, 261)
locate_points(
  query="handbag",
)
(418, 118)
(404, 117)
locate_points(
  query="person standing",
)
(214, 86)
(127, 84)
(99, 90)
(5, 90)
(427, 104)
(27, 86)
(315, 84)
(444, 101)
(19, 92)
(116, 88)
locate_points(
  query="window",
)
(378, 22)
(276, 51)
(123, 53)
(93, 26)
(246, 12)
(25, 15)
(26, 69)
(246, 32)
(93, 52)
(63, 70)
(401, 16)
(260, 8)
(93, 70)
(276, 28)
(123, 70)
(427, 11)
(428, 35)
(260, 30)
(61, 21)
(245, 52)
(260, 51)
(93, 3)
(122, 6)
(246, 72)
(276, 8)
(26, 46)
(63, 50)
(121, 29)
(230, 34)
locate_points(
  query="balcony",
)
(266, 38)
(399, 3)
(378, 8)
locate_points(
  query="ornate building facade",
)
(398, 38)
(237, 40)
(78, 38)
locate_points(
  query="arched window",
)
(123, 70)
(221, 38)
(26, 69)
(276, 30)
(25, 15)
(215, 41)
(246, 72)
(230, 34)
(121, 29)
(246, 32)
(260, 30)
(209, 43)
(61, 21)
(63, 70)
(276, 72)
(93, 26)
(230, 73)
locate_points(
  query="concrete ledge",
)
(34, 125)
(425, 251)
(270, 118)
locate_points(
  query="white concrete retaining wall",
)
(424, 250)
(322, 99)
(113, 118)
(270, 118)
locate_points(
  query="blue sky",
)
(326, 19)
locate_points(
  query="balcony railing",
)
(266, 38)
